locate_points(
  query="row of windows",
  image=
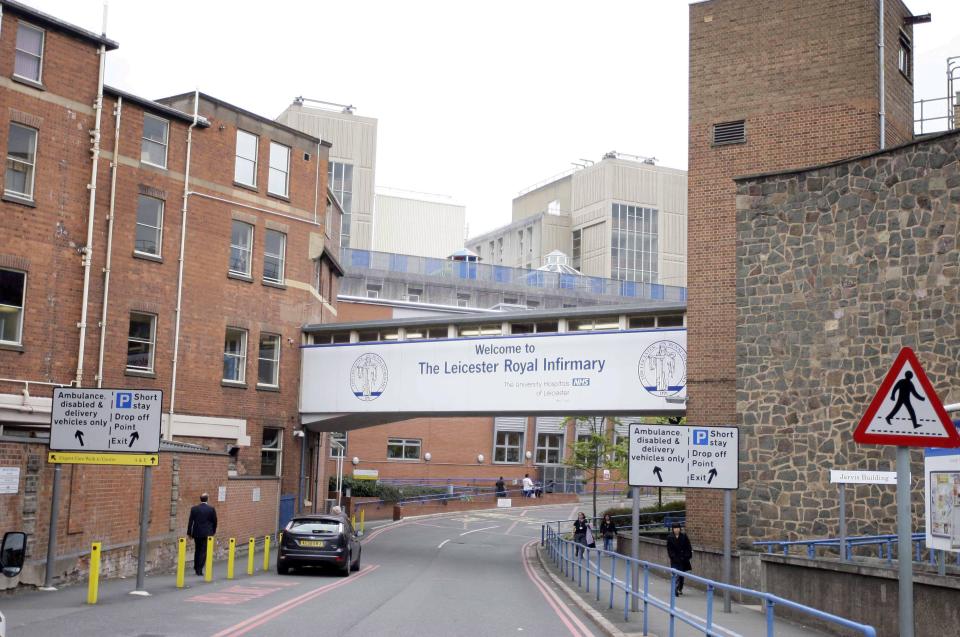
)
(340, 180)
(497, 329)
(142, 345)
(507, 448)
(241, 252)
(245, 165)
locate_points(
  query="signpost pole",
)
(635, 544)
(843, 521)
(726, 549)
(144, 527)
(52, 539)
(904, 543)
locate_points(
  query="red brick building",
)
(774, 84)
(103, 284)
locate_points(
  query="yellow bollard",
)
(208, 568)
(251, 548)
(266, 552)
(230, 552)
(181, 560)
(93, 586)
(363, 514)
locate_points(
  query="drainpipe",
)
(183, 245)
(883, 91)
(106, 270)
(92, 187)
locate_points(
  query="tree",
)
(596, 451)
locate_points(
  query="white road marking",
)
(442, 543)
(478, 530)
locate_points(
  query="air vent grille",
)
(729, 133)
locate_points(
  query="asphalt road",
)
(465, 574)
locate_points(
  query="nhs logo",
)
(581, 382)
(701, 437)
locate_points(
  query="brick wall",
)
(803, 76)
(102, 504)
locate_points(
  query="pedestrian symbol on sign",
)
(124, 400)
(701, 437)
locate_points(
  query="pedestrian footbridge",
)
(594, 361)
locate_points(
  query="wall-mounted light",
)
(529, 455)
(355, 461)
(480, 458)
(427, 456)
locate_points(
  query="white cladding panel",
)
(587, 372)
(400, 224)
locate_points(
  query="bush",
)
(648, 515)
(386, 492)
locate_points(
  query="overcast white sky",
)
(476, 100)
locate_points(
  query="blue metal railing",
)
(474, 271)
(623, 522)
(574, 560)
(884, 544)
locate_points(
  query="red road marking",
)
(237, 594)
(247, 625)
(569, 619)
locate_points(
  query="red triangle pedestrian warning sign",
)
(906, 410)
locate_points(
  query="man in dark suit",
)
(202, 524)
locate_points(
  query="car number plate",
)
(316, 543)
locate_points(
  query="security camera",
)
(298, 433)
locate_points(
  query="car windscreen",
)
(314, 526)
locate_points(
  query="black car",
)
(316, 540)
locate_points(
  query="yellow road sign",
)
(80, 457)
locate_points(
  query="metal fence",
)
(503, 275)
(584, 566)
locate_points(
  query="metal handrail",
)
(884, 543)
(564, 555)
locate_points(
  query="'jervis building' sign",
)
(628, 372)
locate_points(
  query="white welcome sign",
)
(626, 372)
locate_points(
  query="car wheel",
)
(282, 569)
(345, 571)
(356, 565)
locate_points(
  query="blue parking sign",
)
(701, 437)
(124, 400)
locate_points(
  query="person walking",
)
(608, 531)
(582, 534)
(680, 552)
(201, 525)
(501, 488)
(527, 486)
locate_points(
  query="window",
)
(149, 226)
(278, 181)
(508, 446)
(481, 330)
(235, 356)
(274, 252)
(403, 449)
(575, 260)
(29, 60)
(904, 59)
(729, 133)
(245, 166)
(340, 178)
(414, 294)
(153, 147)
(268, 361)
(463, 299)
(587, 325)
(634, 244)
(373, 291)
(641, 322)
(500, 250)
(670, 321)
(21, 160)
(241, 245)
(13, 287)
(270, 451)
(341, 437)
(549, 448)
(141, 342)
